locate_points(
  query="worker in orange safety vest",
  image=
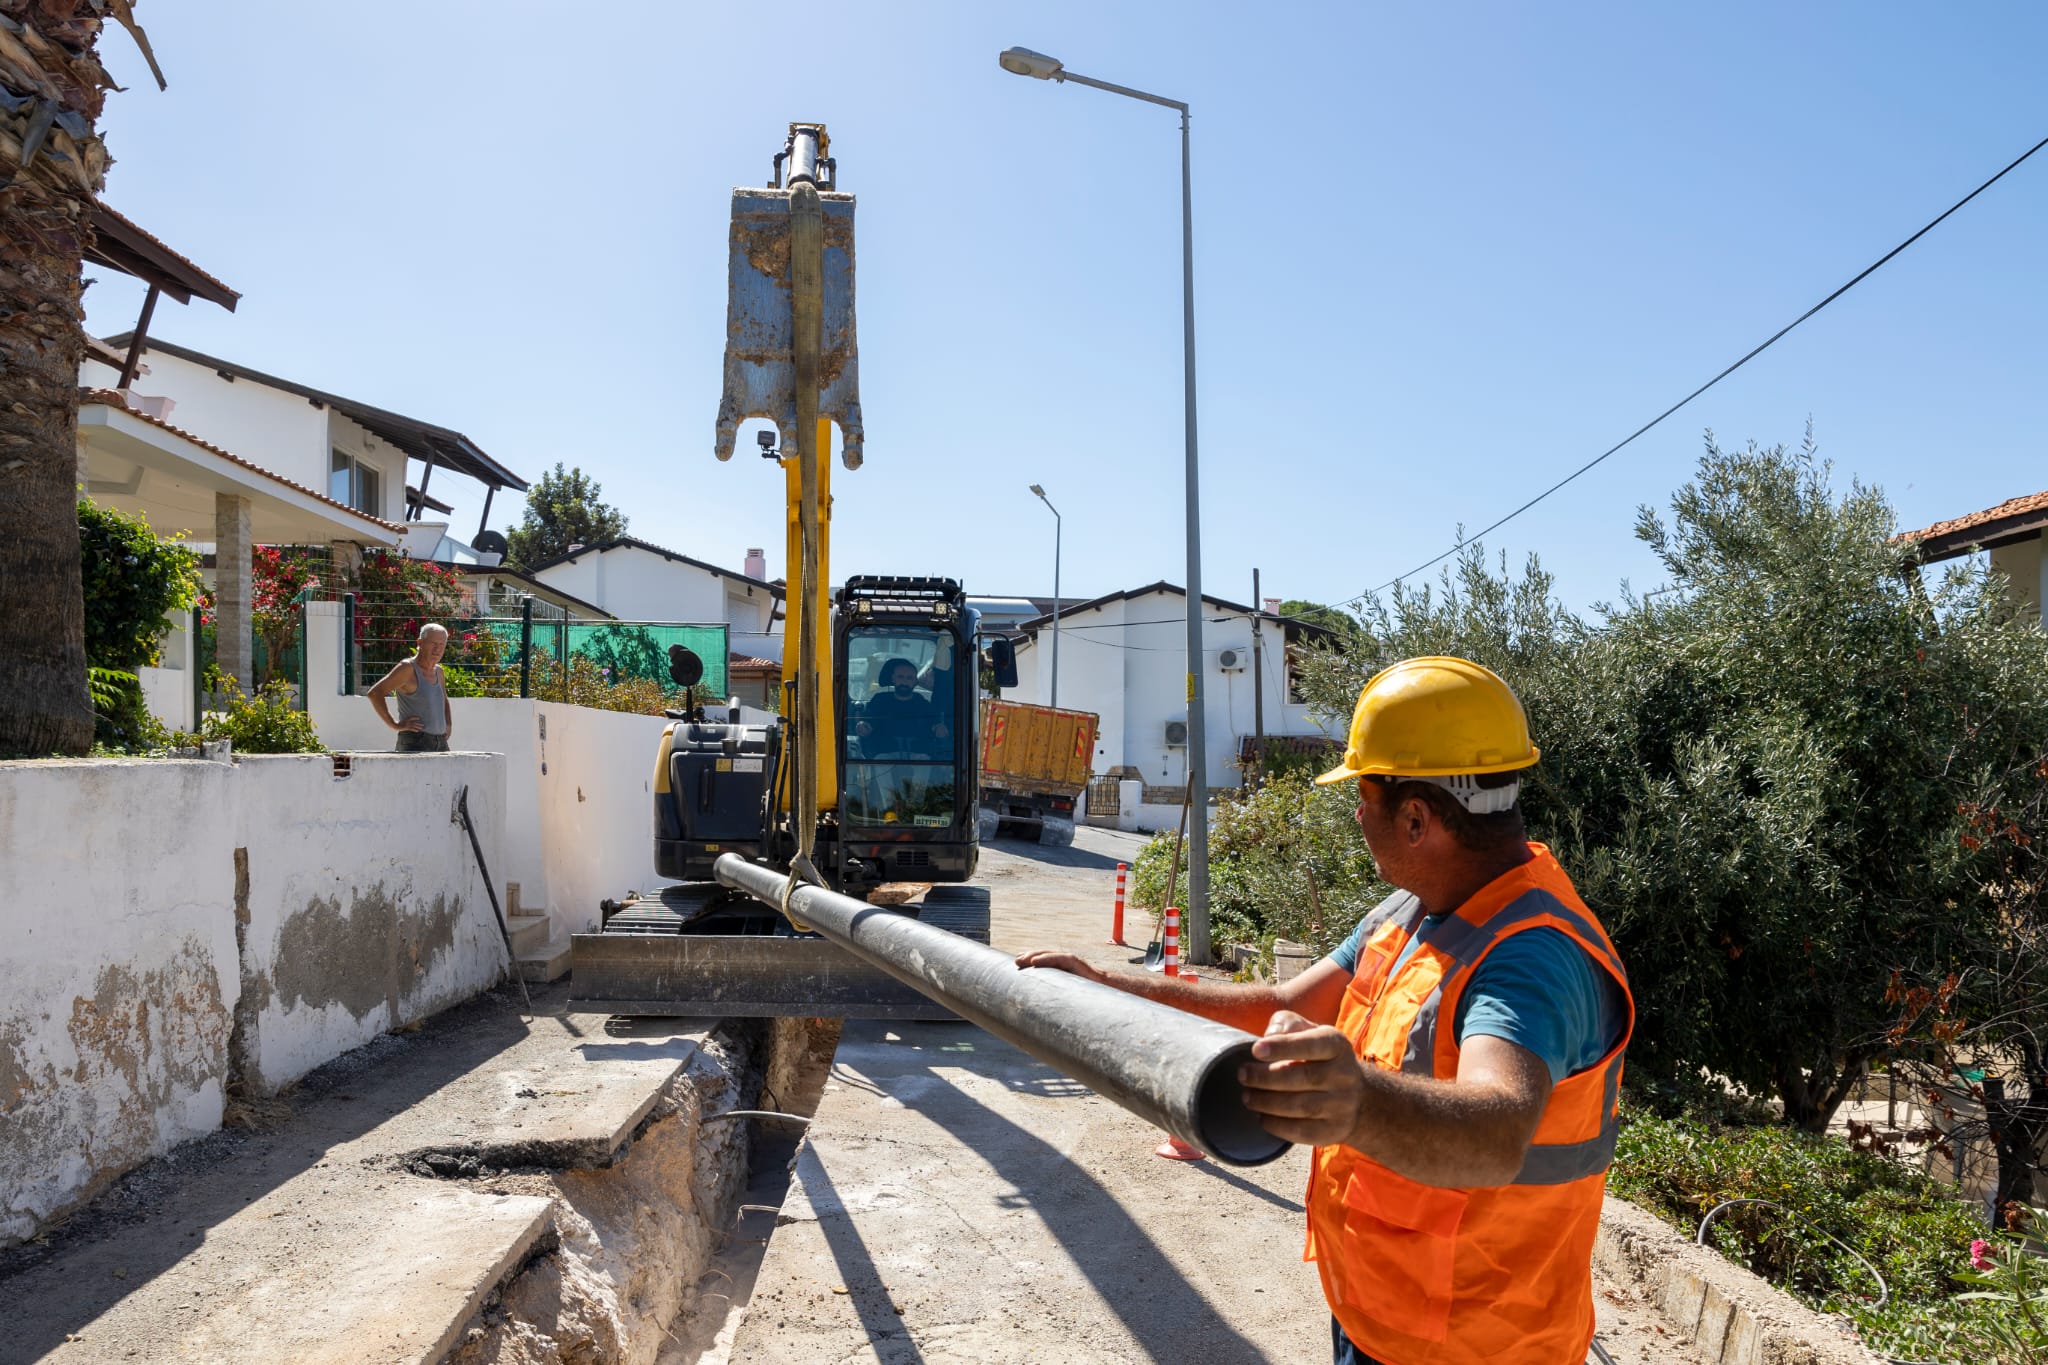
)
(1456, 1063)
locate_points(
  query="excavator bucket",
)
(760, 360)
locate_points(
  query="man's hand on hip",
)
(1306, 1082)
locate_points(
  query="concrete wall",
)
(1126, 661)
(167, 688)
(169, 927)
(577, 784)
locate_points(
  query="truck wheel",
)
(987, 822)
(1054, 832)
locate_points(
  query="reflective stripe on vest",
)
(1414, 1272)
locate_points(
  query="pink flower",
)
(1978, 1258)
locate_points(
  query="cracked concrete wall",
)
(117, 974)
(171, 928)
(365, 908)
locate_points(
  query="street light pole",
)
(1024, 62)
(1055, 593)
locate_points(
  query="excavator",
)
(869, 777)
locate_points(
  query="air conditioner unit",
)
(1231, 660)
(1176, 733)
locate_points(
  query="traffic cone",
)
(1116, 923)
(1173, 1149)
(1171, 935)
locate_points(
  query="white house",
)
(1124, 657)
(633, 580)
(232, 458)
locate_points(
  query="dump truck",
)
(869, 776)
(1035, 763)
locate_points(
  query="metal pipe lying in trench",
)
(1170, 1068)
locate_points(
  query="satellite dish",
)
(490, 543)
(684, 666)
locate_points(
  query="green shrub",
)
(1286, 860)
(268, 723)
(133, 580)
(1911, 1228)
(122, 723)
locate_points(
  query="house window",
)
(355, 484)
(1294, 663)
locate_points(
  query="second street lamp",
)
(1022, 61)
(1055, 593)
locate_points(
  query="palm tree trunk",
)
(52, 164)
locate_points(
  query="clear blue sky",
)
(1444, 253)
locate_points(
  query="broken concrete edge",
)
(608, 1235)
(1729, 1314)
(472, 1160)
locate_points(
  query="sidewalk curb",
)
(1728, 1314)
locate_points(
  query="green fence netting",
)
(621, 649)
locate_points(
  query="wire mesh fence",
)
(519, 647)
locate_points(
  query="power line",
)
(1753, 354)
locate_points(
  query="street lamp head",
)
(1022, 61)
(1036, 489)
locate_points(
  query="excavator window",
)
(900, 728)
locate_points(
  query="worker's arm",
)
(1315, 994)
(401, 672)
(1468, 1132)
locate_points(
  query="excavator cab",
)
(903, 755)
(908, 682)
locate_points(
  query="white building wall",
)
(1126, 661)
(2026, 568)
(639, 585)
(282, 432)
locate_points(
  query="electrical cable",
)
(1884, 1291)
(1753, 354)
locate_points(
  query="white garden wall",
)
(168, 926)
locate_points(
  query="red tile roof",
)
(747, 664)
(112, 398)
(2013, 518)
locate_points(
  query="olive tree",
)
(1763, 774)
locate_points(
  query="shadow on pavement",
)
(887, 1335)
(1058, 857)
(1169, 1318)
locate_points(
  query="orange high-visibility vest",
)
(1419, 1274)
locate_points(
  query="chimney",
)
(1272, 606)
(757, 564)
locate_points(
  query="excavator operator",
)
(899, 719)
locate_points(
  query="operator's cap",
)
(1436, 717)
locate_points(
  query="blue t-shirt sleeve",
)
(1345, 954)
(1539, 990)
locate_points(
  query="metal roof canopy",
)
(122, 244)
(436, 446)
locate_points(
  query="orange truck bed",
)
(1035, 750)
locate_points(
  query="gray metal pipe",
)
(1172, 1069)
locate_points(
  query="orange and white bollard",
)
(1116, 922)
(1171, 937)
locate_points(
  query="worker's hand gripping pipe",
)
(1170, 1068)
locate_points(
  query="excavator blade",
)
(760, 363)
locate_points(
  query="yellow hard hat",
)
(1435, 717)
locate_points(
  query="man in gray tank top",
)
(425, 720)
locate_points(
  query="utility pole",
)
(1258, 678)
